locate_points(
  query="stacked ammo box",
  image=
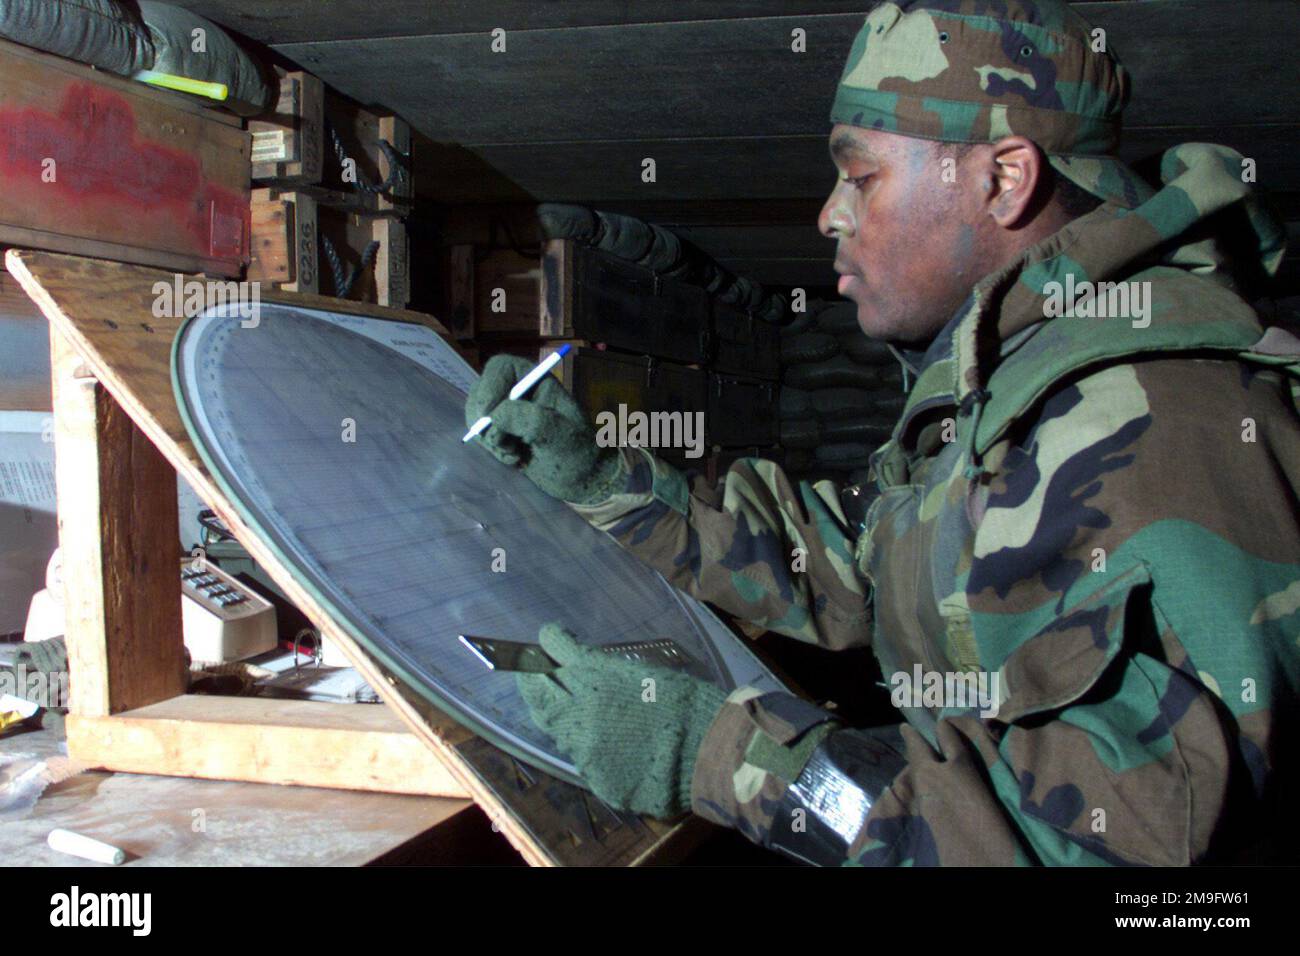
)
(332, 186)
(654, 326)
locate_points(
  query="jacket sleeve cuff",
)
(755, 748)
(646, 479)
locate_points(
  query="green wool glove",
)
(546, 433)
(634, 744)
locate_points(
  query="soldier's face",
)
(908, 237)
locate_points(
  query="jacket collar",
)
(1189, 270)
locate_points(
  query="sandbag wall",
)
(841, 393)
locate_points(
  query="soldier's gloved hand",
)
(633, 743)
(545, 433)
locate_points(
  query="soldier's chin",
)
(873, 324)
(870, 321)
(878, 326)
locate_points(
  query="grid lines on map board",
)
(338, 438)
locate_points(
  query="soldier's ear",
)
(1015, 181)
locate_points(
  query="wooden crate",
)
(581, 293)
(285, 243)
(506, 295)
(456, 278)
(722, 459)
(290, 146)
(603, 379)
(288, 254)
(98, 165)
(742, 411)
(744, 345)
(293, 148)
(386, 281)
(595, 296)
(360, 130)
(631, 308)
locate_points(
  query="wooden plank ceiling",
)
(712, 91)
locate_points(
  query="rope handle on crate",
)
(396, 164)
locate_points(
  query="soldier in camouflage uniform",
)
(1096, 512)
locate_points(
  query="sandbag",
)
(840, 370)
(829, 404)
(793, 403)
(800, 322)
(800, 433)
(833, 404)
(865, 351)
(567, 221)
(103, 33)
(845, 455)
(662, 252)
(867, 433)
(665, 254)
(775, 308)
(839, 317)
(808, 348)
(800, 459)
(885, 408)
(742, 292)
(706, 273)
(223, 60)
(629, 239)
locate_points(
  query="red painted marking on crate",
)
(100, 156)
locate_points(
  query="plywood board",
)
(88, 302)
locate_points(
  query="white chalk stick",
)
(65, 841)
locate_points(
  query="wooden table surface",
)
(177, 821)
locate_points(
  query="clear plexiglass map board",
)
(338, 439)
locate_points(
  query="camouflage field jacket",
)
(1096, 513)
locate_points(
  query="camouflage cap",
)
(974, 71)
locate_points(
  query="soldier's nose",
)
(834, 222)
